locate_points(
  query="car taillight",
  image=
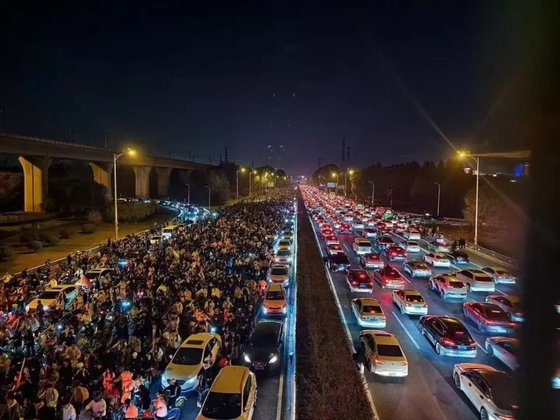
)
(378, 361)
(447, 342)
(354, 283)
(408, 304)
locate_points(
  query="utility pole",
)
(438, 197)
(372, 192)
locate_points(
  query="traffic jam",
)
(453, 307)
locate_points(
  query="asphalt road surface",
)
(428, 391)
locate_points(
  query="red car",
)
(334, 249)
(489, 317)
(359, 281)
(389, 277)
(345, 228)
(326, 232)
(395, 253)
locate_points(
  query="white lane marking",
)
(404, 277)
(347, 248)
(405, 330)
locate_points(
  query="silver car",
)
(504, 349)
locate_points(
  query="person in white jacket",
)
(68, 412)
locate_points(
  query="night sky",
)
(179, 76)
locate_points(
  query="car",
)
(371, 260)
(283, 256)
(327, 232)
(359, 281)
(476, 280)
(509, 303)
(338, 262)
(410, 246)
(448, 335)
(333, 249)
(395, 253)
(439, 246)
(368, 312)
(417, 268)
(410, 302)
(505, 349)
(412, 235)
(345, 228)
(448, 286)
(197, 353)
(493, 393)
(369, 232)
(500, 275)
(437, 259)
(96, 273)
(361, 246)
(383, 354)
(489, 318)
(279, 273)
(263, 351)
(457, 256)
(233, 395)
(384, 241)
(331, 240)
(51, 296)
(168, 232)
(284, 245)
(389, 277)
(357, 225)
(275, 302)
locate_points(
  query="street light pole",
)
(206, 186)
(116, 156)
(477, 160)
(188, 193)
(372, 192)
(438, 197)
(237, 185)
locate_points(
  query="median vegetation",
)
(329, 385)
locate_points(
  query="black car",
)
(448, 335)
(458, 257)
(263, 350)
(338, 262)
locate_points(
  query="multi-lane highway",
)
(428, 392)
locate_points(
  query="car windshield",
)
(483, 278)
(412, 244)
(219, 405)
(283, 253)
(188, 356)
(364, 243)
(262, 337)
(371, 309)
(389, 350)
(414, 298)
(279, 271)
(275, 295)
(49, 295)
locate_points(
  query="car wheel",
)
(442, 294)
(490, 350)
(422, 331)
(457, 380)
(402, 309)
(483, 414)
(479, 326)
(468, 287)
(438, 348)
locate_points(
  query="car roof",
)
(230, 379)
(274, 287)
(368, 301)
(411, 292)
(198, 340)
(383, 337)
(59, 287)
(268, 327)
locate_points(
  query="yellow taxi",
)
(233, 395)
(198, 352)
(275, 302)
(383, 353)
(368, 312)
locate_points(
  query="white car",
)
(51, 296)
(504, 349)
(283, 256)
(437, 260)
(410, 302)
(499, 275)
(361, 246)
(439, 246)
(417, 268)
(410, 246)
(412, 235)
(509, 303)
(476, 280)
(493, 393)
(448, 286)
(368, 313)
(279, 273)
(383, 354)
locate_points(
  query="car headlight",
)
(265, 310)
(246, 358)
(273, 359)
(284, 310)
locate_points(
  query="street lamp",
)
(129, 152)
(251, 173)
(242, 169)
(476, 159)
(372, 192)
(438, 197)
(209, 191)
(188, 193)
(350, 172)
(335, 175)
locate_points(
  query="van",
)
(169, 231)
(361, 246)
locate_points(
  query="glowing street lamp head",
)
(351, 171)
(254, 172)
(461, 154)
(242, 169)
(131, 152)
(333, 174)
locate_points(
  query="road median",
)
(328, 382)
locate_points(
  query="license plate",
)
(463, 347)
(363, 286)
(259, 366)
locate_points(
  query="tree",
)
(492, 208)
(324, 174)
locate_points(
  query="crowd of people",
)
(100, 355)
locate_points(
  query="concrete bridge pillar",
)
(163, 181)
(35, 182)
(142, 175)
(102, 174)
